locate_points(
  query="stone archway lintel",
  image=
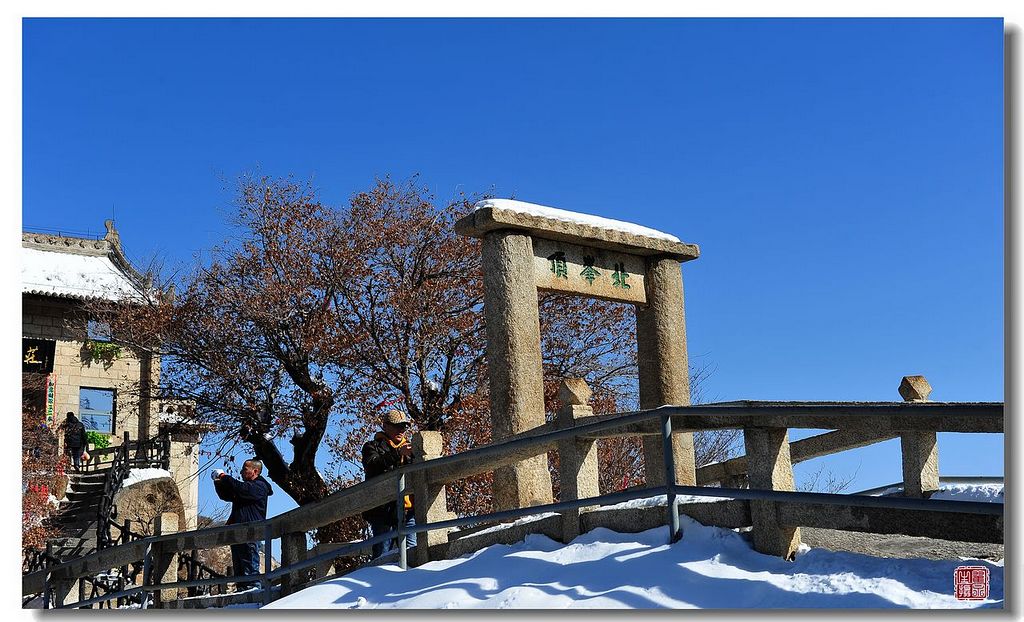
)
(499, 214)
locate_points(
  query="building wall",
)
(62, 320)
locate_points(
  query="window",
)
(97, 331)
(96, 408)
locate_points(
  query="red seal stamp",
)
(970, 582)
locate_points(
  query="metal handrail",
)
(153, 450)
(476, 455)
(119, 469)
(539, 441)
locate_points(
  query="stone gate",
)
(529, 247)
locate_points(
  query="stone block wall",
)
(60, 320)
(184, 467)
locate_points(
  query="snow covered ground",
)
(709, 568)
(983, 493)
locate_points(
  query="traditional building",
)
(70, 362)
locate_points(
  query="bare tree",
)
(41, 467)
(826, 480)
(306, 326)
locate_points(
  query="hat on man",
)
(396, 417)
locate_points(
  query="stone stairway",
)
(78, 515)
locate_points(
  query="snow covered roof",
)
(67, 267)
(64, 275)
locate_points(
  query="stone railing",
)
(770, 505)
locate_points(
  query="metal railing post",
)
(400, 525)
(670, 478)
(147, 569)
(267, 544)
(47, 591)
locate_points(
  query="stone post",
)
(293, 550)
(663, 366)
(577, 458)
(165, 567)
(735, 481)
(514, 363)
(429, 500)
(769, 468)
(920, 448)
(62, 592)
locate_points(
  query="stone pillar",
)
(293, 550)
(165, 567)
(514, 363)
(429, 500)
(63, 591)
(577, 458)
(920, 448)
(735, 481)
(663, 366)
(770, 468)
(184, 466)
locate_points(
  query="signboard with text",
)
(595, 272)
(37, 355)
(51, 391)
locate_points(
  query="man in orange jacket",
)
(388, 450)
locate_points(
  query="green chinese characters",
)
(557, 264)
(589, 272)
(619, 276)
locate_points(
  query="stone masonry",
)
(514, 361)
(54, 308)
(524, 251)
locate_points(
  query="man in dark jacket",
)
(388, 450)
(75, 439)
(248, 497)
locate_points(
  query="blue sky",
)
(843, 178)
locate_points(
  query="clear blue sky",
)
(843, 178)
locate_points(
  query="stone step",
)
(80, 548)
(85, 507)
(74, 521)
(76, 515)
(86, 487)
(98, 470)
(76, 512)
(234, 598)
(81, 497)
(100, 476)
(77, 529)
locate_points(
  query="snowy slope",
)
(709, 568)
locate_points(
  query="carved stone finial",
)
(112, 236)
(915, 389)
(574, 391)
(169, 294)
